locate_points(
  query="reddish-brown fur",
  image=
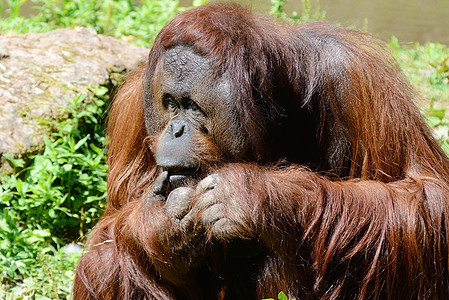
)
(366, 218)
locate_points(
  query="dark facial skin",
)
(191, 108)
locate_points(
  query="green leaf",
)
(196, 3)
(16, 162)
(96, 149)
(433, 121)
(282, 296)
(51, 213)
(41, 233)
(67, 167)
(436, 112)
(4, 226)
(100, 91)
(81, 142)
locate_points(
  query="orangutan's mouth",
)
(178, 177)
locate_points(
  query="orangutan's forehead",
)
(181, 62)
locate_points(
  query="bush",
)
(138, 22)
(52, 202)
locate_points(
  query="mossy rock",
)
(39, 72)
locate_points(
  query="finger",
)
(204, 201)
(178, 201)
(208, 183)
(188, 222)
(161, 184)
(225, 228)
(213, 214)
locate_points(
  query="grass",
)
(53, 199)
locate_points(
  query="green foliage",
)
(138, 22)
(14, 7)
(281, 296)
(196, 3)
(49, 277)
(427, 67)
(439, 121)
(308, 13)
(53, 201)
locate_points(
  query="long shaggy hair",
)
(366, 219)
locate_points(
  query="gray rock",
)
(39, 72)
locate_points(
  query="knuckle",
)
(180, 193)
(213, 214)
(205, 201)
(223, 228)
(208, 183)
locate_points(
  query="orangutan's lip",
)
(181, 172)
(179, 176)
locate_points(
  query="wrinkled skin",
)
(190, 103)
(209, 203)
(185, 92)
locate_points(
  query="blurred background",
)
(409, 20)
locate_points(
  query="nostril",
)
(178, 131)
(177, 128)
